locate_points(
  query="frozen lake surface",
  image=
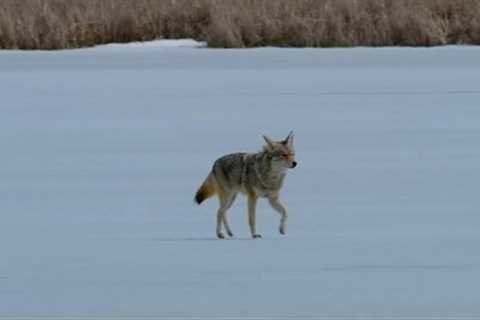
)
(103, 149)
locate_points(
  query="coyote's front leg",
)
(252, 203)
(275, 203)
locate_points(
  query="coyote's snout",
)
(257, 175)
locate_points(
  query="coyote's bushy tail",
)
(206, 190)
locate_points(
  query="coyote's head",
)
(282, 152)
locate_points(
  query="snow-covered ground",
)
(102, 150)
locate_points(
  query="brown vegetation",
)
(56, 24)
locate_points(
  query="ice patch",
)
(163, 43)
(103, 149)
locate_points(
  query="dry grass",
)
(56, 24)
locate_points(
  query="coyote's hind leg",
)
(226, 201)
(230, 200)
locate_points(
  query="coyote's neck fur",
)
(270, 177)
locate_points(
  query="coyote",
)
(256, 175)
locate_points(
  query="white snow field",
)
(102, 150)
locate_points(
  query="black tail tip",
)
(198, 199)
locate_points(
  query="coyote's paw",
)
(230, 233)
(220, 235)
(282, 230)
(256, 235)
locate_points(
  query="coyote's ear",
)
(269, 142)
(288, 140)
